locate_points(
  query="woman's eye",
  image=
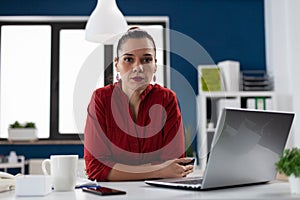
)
(147, 60)
(128, 59)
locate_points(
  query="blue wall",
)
(227, 29)
(42, 151)
(39, 151)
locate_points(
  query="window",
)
(25, 76)
(41, 61)
(73, 52)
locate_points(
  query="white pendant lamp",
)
(105, 23)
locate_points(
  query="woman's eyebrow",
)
(130, 54)
(127, 54)
(148, 54)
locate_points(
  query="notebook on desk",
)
(245, 147)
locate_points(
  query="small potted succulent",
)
(17, 131)
(289, 164)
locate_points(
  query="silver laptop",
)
(245, 147)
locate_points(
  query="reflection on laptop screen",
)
(244, 150)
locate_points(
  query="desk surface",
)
(140, 190)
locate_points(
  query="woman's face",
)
(136, 63)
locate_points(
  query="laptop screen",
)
(246, 146)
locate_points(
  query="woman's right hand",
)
(173, 168)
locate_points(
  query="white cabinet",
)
(209, 105)
(20, 163)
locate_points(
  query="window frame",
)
(58, 23)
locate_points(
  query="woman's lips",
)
(137, 78)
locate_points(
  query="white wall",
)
(282, 23)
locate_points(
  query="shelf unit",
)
(208, 106)
(20, 164)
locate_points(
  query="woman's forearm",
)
(168, 169)
(121, 172)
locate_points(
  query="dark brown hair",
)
(134, 33)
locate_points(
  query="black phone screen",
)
(189, 163)
(103, 191)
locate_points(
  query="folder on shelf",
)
(210, 78)
(259, 103)
(231, 74)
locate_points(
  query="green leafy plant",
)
(29, 125)
(26, 125)
(15, 125)
(289, 162)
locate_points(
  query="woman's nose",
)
(138, 68)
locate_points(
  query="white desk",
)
(139, 190)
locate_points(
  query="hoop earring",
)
(154, 78)
(117, 77)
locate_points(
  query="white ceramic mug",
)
(63, 171)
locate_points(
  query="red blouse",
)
(111, 136)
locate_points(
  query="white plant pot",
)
(294, 184)
(22, 134)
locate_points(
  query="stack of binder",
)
(256, 81)
(260, 103)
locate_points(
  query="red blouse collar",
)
(143, 94)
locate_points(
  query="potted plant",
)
(17, 131)
(289, 164)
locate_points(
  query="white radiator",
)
(35, 167)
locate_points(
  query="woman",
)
(134, 129)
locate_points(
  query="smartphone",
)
(188, 163)
(103, 191)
